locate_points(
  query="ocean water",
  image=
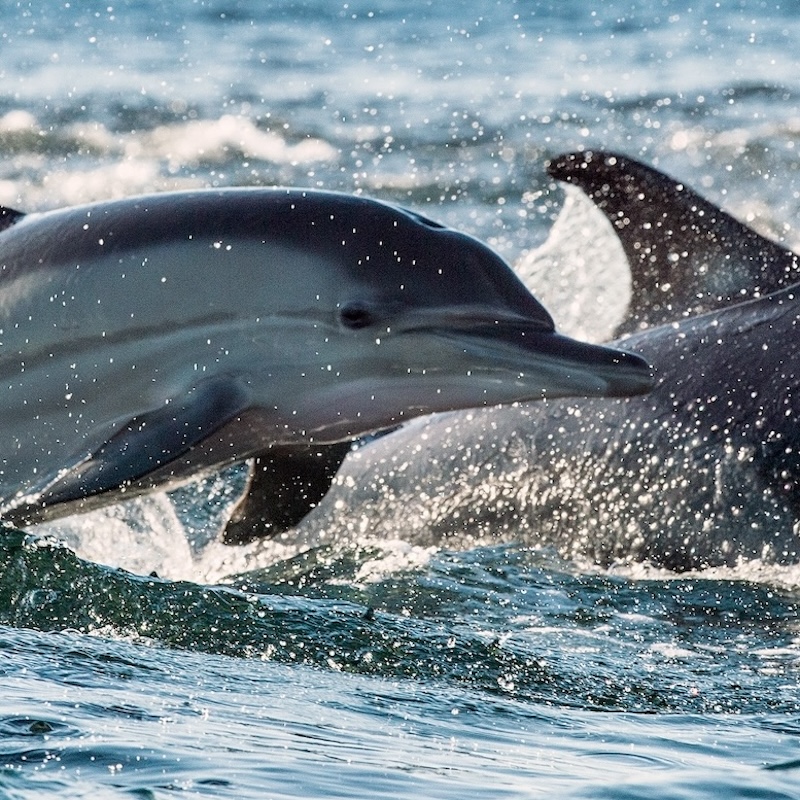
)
(143, 659)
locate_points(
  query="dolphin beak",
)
(581, 369)
(542, 362)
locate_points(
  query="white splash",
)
(580, 273)
(141, 536)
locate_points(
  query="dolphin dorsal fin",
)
(686, 255)
(8, 216)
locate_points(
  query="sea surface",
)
(139, 658)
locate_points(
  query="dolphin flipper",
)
(152, 440)
(686, 255)
(283, 486)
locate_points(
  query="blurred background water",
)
(393, 670)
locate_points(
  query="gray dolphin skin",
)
(149, 340)
(702, 471)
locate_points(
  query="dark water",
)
(496, 673)
(383, 669)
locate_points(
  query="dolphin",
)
(702, 471)
(146, 341)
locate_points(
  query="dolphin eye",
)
(356, 316)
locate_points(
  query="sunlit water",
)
(383, 669)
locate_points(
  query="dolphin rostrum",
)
(148, 340)
(704, 470)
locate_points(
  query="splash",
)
(580, 272)
(142, 536)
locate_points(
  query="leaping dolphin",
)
(148, 340)
(704, 470)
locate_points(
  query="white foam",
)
(141, 536)
(785, 576)
(116, 179)
(18, 121)
(136, 162)
(212, 140)
(580, 273)
(395, 556)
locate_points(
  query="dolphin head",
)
(422, 318)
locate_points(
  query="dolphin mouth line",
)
(468, 319)
(498, 349)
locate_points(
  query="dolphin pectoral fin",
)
(283, 486)
(686, 255)
(148, 443)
